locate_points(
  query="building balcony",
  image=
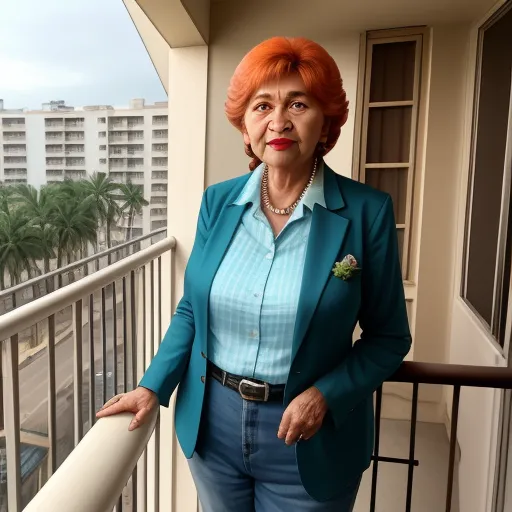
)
(126, 154)
(74, 136)
(15, 173)
(55, 164)
(18, 151)
(118, 139)
(79, 125)
(54, 124)
(54, 136)
(123, 177)
(159, 175)
(11, 125)
(78, 149)
(15, 162)
(75, 162)
(158, 213)
(92, 336)
(15, 181)
(126, 126)
(55, 149)
(54, 175)
(15, 136)
(74, 174)
(159, 190)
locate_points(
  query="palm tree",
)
(102, 190)
(38, 207)
(133, 203)
(78, 192)
(5, 198)
(20, 245)
(74, 227)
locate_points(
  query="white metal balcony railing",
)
(15, 136)
(13, 126)
(21, 172)
(87, 330)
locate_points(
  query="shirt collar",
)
(251, 191)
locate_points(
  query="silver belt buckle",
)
(244, 384)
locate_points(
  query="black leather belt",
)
(248, 388)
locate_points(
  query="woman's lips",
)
(281, 144)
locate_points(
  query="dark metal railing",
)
(457, 376)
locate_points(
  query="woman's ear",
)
(325, 130)
(247, 141)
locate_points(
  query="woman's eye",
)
(297, 105)
(262, 108)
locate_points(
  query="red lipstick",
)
(281, 144)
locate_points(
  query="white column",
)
(188, 71)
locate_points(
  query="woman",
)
(274, 408)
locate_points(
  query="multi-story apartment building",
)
(129, 144)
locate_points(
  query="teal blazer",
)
(358, 220)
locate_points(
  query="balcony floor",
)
(429, 489)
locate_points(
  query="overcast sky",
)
(86, 52)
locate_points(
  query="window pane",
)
(489, 166)
(394, 182)
(393, 71)
(389, 135)
(401, 237)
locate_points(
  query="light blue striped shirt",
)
(255, 293)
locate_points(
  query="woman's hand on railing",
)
(141, 401)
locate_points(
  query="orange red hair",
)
(278, 57)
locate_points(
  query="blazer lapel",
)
(328, 230)
(213, 253)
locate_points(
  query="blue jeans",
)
(241, 466)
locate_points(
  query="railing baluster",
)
(453, 446)
(77, 371)
(412, 445)
(133, 327)
(114, 336)
(11, 399)
(155, 349)
(103, 321)
(52, 397)
(125, 338)
(92, 373)
(133, 348)
(375, 469)
(142, 339)
(153, 346)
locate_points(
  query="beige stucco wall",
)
(234, 31)
(199, 12)
(454, 336)
(470, 343)
(438, 201)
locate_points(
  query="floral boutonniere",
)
(346, 268)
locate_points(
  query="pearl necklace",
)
(266, 199)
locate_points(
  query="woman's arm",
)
(170, 362)
(386, 337)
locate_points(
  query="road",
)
(34, 384)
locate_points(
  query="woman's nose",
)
(279, 121)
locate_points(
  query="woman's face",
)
(283, 123)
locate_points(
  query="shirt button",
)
(256, 294)
(253, 334)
